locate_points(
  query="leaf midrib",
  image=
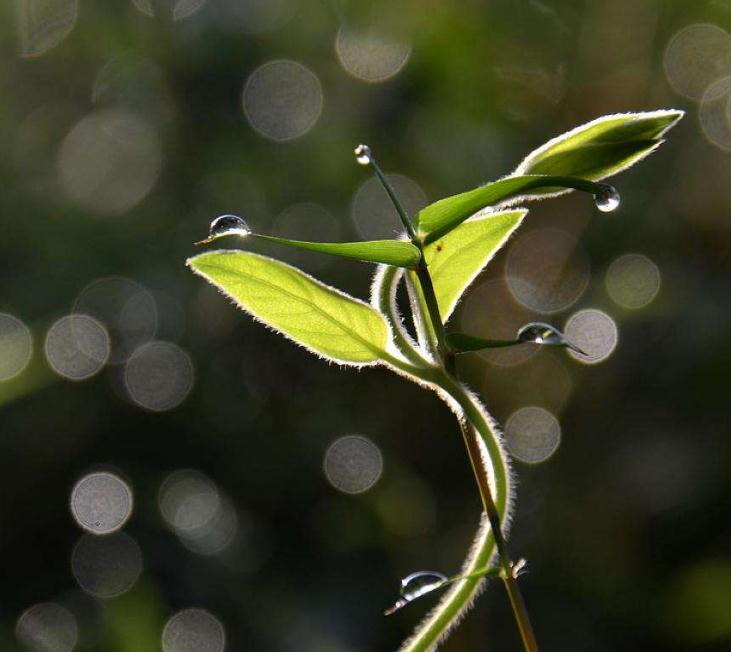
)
(348, 327)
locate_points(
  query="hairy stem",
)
(484, 448)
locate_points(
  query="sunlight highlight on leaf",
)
(320, 318)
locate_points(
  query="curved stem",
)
(383, 298)
(456, 601)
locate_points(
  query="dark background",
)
(626, 527)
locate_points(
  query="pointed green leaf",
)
(461, 343)
(456, 259)
(444, 215)
(312, 314)
(602, 147)
(573, 160)
(398, 253)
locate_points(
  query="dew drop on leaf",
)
(228, 225)
(363, 154)
(415, 586)
(540, 333)
(607, 199)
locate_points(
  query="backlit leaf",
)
(312, 314)
(455, 260)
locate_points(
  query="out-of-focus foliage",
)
(125, 127)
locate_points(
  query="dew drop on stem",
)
(363, 154)
(415, 586)
(607, 199)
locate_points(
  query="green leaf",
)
(398, 253)
(442, 216)
(312, 314)
(462, 343)
(456, 259)
(573, 160)
(602, 147)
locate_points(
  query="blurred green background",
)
(126, 126)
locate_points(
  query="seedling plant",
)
(443, 249)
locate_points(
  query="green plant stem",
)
(517, 603)
(475, 428)
(481, 472)
(394, 199)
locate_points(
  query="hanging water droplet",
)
(607, 199)
(363, 154)
(541, 333)
(226, 225)
(416, 585)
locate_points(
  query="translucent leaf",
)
(462, 343)
(390, 252)
(602, 147)
(312, 314)
(535, 332)
(398, 253)
(573, 160)
(457, 258)
(442, 216)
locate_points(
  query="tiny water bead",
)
(607, 199)
(363, 154)
(224, 225)
(101, 502)
(415, 586)
(540, 333)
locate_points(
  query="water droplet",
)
(541, 333)
(363, 154)
(415, 586)
(607, 199)
(226, 225)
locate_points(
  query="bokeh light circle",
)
(159, 376)
(594, 332)
(77, 347)
(47, 627)
(310, 222)
(282, 100)
(353, 464)
(374, 215)
(16, 346)
(370, 55)
(715, 113)
(108, 566)
(193, 630)
(532, 434)
(126, 309)
(44, 24)
(101, 502)
(547, 270)
(696, 56)
(110, 161)
(177, 9)
(633, 281)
